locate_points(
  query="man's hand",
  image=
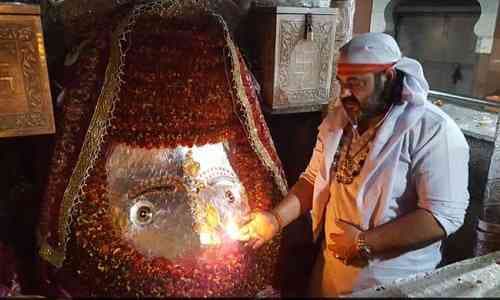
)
(344, 245)
(261, 227)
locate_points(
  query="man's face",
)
(362, 94)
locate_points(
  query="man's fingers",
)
(247, 244)
(245, 230)
(336, 252)
(243, 237)
(337, 249)
(249, 231)
(334, 247)
(246, 221)
(335, 235)
(258, 243)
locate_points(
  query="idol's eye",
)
(142, 213)
(154, 197)
(229, 196)
(228, 185)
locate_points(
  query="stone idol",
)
(161, 153)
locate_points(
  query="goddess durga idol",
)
(161, 152)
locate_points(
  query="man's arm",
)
(297, 202)
(440, 176)
(412, 231)
(299, 199)
(263, 226)
(409, 232)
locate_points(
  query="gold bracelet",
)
(363, 248)
(278, 218)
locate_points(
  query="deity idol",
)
(161, 153)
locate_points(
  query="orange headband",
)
(344, 69)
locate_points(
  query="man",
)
(387, 180)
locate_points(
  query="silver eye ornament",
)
(142, 213)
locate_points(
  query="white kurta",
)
(419, 159)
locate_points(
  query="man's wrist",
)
(364, 250)
(287, 210)
(278, 219)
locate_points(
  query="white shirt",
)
(419, 159)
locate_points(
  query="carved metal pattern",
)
(25, 102)
(291, 33)
(343, 33)
(345, 21)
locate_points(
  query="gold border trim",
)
(259, 148)
(90, 149)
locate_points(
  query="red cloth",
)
(9, 284)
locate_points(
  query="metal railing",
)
(483, 105)
(475, 103)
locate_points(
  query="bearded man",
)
(387, 181)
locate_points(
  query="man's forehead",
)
(345, 78)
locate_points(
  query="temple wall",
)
(24, 163)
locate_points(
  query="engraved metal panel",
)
(295, 69)
(304, 66)
(25, 101)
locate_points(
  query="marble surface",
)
(475, 277)
(475, 123)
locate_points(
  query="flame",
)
(215, 235)
(213, 229)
